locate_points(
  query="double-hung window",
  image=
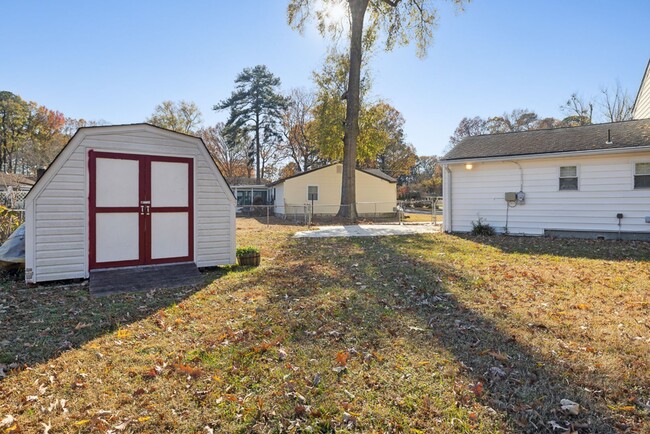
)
(641, 175)
(568, 177)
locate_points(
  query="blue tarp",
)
(12, 251)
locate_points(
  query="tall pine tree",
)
(256, 106)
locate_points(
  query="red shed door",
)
(141, 210)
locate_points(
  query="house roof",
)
(242, 180)
(379, 174)
(374, 172)
(15, 180)
(627, 134)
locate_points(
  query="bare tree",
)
(517, 120)
(296, 122)
(230, 156)
(615, 106)
(578, 110)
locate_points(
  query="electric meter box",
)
(511, 197)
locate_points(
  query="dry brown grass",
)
(430, 333)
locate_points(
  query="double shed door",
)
(141, 209)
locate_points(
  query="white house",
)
(590, 181)
(376, 192)
(128, 195)
(641, 109)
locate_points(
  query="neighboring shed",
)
(128, 195)
(13, 189)
(248, 191)
(376, 192)
(15, 181)
(566, 181)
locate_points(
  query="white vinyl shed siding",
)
(606, 187)
(57, 216)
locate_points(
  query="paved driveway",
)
(367, 231)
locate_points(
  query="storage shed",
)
(125, 196)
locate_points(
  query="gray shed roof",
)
(626, 134)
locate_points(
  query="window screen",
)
(568, 178)
(642, 175)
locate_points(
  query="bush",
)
(480, 227)
(247, 250)
(9, 222)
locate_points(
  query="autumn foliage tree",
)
(399, 21)
(30, 134)
(182, 116)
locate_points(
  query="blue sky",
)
(116, 60)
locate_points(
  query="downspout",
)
(447, 199)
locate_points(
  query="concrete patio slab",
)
(367, 231)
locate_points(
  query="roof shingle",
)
(627, 134)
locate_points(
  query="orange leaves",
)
(477, 389)
(188, 370)
(149, 374)
(342, 358)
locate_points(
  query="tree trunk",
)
(348, 207)
(257, 147)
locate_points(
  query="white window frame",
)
(559, 173)
(317, 193)
(634, 163)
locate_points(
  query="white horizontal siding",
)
(57, 223)
(605, 189)
(60, 222)
(215, 218)
(642, 104)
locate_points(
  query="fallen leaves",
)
(570, 406)
(123, 334)
(188, 370)
(342, 358)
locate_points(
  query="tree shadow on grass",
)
(521, 384)
(609, 250)
(40, 323)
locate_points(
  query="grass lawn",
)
(428, 333)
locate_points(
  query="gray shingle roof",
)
(379, 174)
(242, 180)
(587, 138)
(374, 172)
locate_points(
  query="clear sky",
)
(116, 60)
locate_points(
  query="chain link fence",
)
(428, 211)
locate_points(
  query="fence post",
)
(267, 214)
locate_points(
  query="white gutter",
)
(608, 151)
